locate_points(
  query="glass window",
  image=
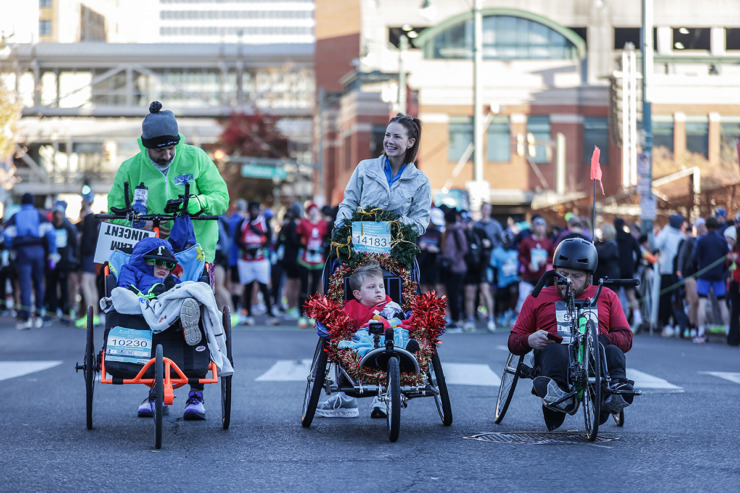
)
(732, 39)
(504, 38)
(44, 28)
(691, 38)
(44, 4)
(460, 137)
(498, 141)
(697, 138)
(596, 133)
(663, 135)
(729, 135)
(539, 127)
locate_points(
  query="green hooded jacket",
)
(191, 164)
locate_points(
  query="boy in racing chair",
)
(370, 304)
(536, 328)
(149, 274)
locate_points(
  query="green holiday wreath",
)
(403, 237)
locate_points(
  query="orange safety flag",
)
(596, 168)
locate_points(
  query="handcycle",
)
(588, 379)
(134, 354)
(388, 364)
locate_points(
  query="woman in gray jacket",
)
(392, 181)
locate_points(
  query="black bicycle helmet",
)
(576, 253)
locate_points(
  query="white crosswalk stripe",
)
(727, 375)
(455, 374)
(13, 369)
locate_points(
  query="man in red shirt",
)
(576, 259)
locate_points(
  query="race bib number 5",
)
(371, 237)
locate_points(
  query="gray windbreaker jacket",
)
(410, 196)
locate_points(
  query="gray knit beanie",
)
(159, 128)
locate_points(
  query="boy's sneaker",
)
(378, 411)
(24, 324)
(146, 408)
(338, 407)
(547, 389)
(189, 318)
(194, 407)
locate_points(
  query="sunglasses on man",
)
(160, 262)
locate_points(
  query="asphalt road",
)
(680, 435)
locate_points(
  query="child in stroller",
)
(371, 303)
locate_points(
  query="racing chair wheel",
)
(315, 384)
(90, 369)
(393, 401)
(159, 395)
(226, 381)
(509, 379)
(437, 379)
(592, 390)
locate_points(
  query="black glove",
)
(604, 340)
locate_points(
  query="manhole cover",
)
(538, 438)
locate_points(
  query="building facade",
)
(549, 77)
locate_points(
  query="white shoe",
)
(468, 326)
(38, 322)
(338, 407)
(248, 321)
(189, 318)
(24, 324)
(491, 325)
(667, 331)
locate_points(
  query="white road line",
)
(727, 375)
(13, 369)
(455, 373)
(286, 371)
(646, 381)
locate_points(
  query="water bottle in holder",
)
(141, 195)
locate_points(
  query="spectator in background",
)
(235, 287)
(721, 214)
(535, 253)
(733, 265)
(490, 232)
(629, 260)
(221, 265)
(476, 273)
(709, 252)
(253, 238)
(454, 246)
(313, 232)
(575, 228)
(430, 246)
(28, 233)
(288, 246)
(89, 226)
(57, 286)
(505, 259)
(686, 270)
(8, 275)
(667, 243)
(608, 254)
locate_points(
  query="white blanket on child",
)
(163, 311)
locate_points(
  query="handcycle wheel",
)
(592, 391)
(437, 379)
(159, 395)
(89, 371)
(619, 418)
(393, 402)
(315, 383)
(226, 381)
(509, 378)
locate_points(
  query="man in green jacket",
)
(164, 165)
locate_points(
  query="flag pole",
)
(593, 212)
